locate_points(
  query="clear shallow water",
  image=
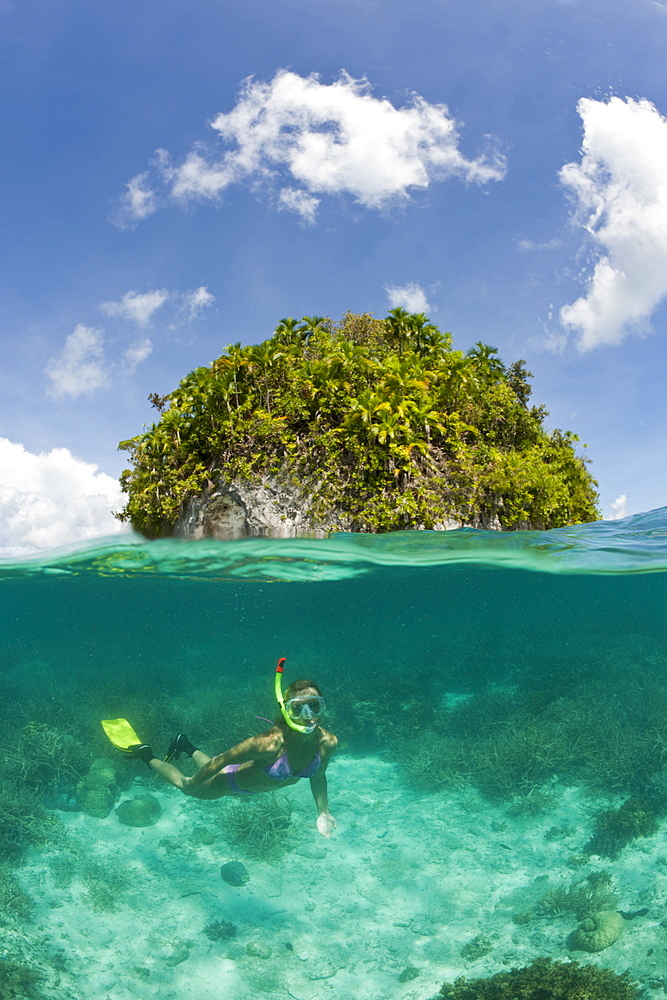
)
(532, 631)
(635, 544)
(463, 606)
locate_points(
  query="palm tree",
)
(310, 324)
(421, 328)
(398, 322)
(486, 360)
(365, 409)
(263, 359)
(290, 332)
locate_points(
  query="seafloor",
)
(412, 890)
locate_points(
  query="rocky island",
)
(365, 424)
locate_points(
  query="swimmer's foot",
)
(180, 744)
(143, 752)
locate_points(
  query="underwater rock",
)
(98, 790)
(258, 949)
(200, 835)
(177, 953)
(142, 810)
(597, 932)
(62, 797)
(235, 873)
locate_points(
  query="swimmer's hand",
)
(326, 824)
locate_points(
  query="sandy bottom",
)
(382, 910)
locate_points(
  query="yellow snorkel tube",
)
(281, 701)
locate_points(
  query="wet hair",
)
(292, 691)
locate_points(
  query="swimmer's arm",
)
(259, 748)
(326, 824)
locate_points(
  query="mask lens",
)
(306, 708)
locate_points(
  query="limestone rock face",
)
(268, 509)
(240, 510)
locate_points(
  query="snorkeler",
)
(295, 747)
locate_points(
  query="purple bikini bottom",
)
(234, 787)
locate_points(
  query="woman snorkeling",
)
(295, 747)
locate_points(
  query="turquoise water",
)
(463, 608)
(437, 652)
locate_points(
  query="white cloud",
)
(620, 193)
(136, 353)
(303, 138)
(411, 297)
(194, 302)
(295, 200)
(80, 369)
(619, 508)
(83, 366)
(138, 307)
(136, 203)
(52, 499)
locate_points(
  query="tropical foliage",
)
(380, 419)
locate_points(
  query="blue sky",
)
(178, 176)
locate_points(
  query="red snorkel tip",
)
(281, 664)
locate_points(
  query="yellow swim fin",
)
(121, 734)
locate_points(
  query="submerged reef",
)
(15, 904)
(98, 791)
(583, 898)
(142, 810)
(517, 744)
(615, 828)
(544, 979)
(597, 932)
(19, 981)
(23, 820)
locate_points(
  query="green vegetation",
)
(377, 420)
(545, 980)
(478, 947)
(261, 828)
(105, 882)
(19, 981)
(595, 893)
(24, 821)
(615, 828)
(15, 903)
(516, 748)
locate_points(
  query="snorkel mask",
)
(306, 708)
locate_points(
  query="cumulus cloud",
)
(411, 297)
(51, 499)
(80, 369)
(620, 193)
(137, 307)
(619, 508)
(296, 200)
(83, 366)
(303, 139)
